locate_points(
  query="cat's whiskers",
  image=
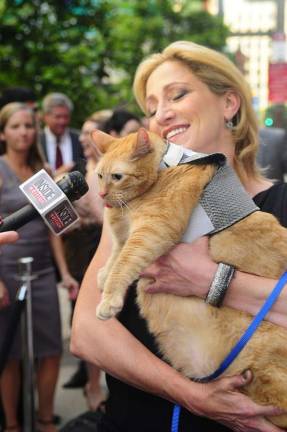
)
(123, 204)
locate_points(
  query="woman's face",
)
(85, 139)
(20, 131)
(184, 111)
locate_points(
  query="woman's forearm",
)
(248, 293)
(189, 270)
(112, 348)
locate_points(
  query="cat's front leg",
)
(111, 302)
(104, 271)
(101, 277)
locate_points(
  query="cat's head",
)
(128, 166)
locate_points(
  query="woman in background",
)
(22, 159)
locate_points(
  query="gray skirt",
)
(47, 336)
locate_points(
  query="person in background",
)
(59, 142)
(272, 153)
(63, 152)
(86, 237)
(6, 237)
(197, 98)
(19, 94)
(121, 123)
(22, 159)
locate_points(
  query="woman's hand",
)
(221, 401)
(186, 270)
(8, 237)
(4, 296)
(71, 285)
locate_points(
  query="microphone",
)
(49, 200)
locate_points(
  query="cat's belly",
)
(194, 350)
(187, 331)
(193, 336)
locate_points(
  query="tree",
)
(89, 49)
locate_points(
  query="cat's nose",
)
(103, 194)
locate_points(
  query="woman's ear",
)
(232, 104)
(102, 140)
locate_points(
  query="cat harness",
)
(224, 201)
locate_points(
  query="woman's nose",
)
(23, 130)
(164, 114)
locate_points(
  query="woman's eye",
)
(117, 176)
(151, 113)
(179, 95)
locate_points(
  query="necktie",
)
(59, 156)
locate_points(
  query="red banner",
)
(278, 82)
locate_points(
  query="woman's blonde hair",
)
(35, 157)
(220, 75)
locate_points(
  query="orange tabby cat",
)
(148, 210)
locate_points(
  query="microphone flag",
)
(50, 202)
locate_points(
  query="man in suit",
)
(63, 152)
(272, 153)
(60, 143)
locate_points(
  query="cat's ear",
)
(142, 145)
(102, 140)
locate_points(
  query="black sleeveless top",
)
(132, 410)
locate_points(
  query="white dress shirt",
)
(65, 146)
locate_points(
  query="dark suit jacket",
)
(77, 151)
(272, 153)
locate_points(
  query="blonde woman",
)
(194, 97)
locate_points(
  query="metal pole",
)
(25, 275)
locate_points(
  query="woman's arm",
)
(67, 280)
(190, 269)
(112, 348)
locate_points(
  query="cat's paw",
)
(109, 307)
(101, 278)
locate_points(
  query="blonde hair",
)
(35, 157)
(220, 75)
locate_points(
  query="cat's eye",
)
(117, 176)
(100, 176)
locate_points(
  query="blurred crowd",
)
(34, 135)
(39, 134)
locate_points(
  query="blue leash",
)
(239, 345)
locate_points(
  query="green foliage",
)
(89, 49)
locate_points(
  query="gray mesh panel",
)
(225, 200)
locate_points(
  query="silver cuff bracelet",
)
(219, 285)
